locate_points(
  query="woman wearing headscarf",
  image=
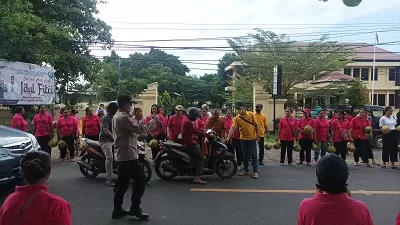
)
(287, 134)
(33, 204)
(357, 135)
(157, 133)
(18, 120)
(390, 140)
(305, 139)
(332, 204)
(339, 134)
(91, 125)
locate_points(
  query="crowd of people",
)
(243, 133)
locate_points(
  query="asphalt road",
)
(174, 203)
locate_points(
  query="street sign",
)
(275, 89)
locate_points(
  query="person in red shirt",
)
(157, 133)
(348, 116)
(201, 122)
(305, 140)
(67, 129)
(91, 125)
(339, 134)
(33, 204)
(228, 120)
(322, 127)
(190, 135)
(398, 219)
(43, 128)
(357, 135)
(332, 205)
(287, 133)
(18, 121)
(175, 124)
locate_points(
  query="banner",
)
(26, 84)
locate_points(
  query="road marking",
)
(364, 192)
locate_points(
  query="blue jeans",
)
(321, 149)
(249, 147)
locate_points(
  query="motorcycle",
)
(92, 161)
(174, 159)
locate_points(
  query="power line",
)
(248, 24)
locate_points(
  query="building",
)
(385, 85)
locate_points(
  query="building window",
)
(347, 71)
(356, 73)
(376, 74)
(392, 74)
(364, 73)
(379, 99)
(391, 100)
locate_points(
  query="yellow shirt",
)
(261, 121)
(246, 130)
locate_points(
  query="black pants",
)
(129, 170)
(231, 148)
(238, 150)
(93, 138)
(389, 150)
(261, 149)
(370, 153)
(70, 141)
(287, 147)
(361, 150)
(306, 145)
(341, 149)
(44, 143)
(159, 137)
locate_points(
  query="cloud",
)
(272, 12)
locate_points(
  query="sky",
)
(142, 22)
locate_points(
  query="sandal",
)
(201, 182)
(395, 168)
(383, 167)
(243, 174)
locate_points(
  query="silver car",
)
(13, 143)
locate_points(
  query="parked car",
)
(13, 143)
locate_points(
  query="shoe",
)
(138, 212)
(119, 213)
(110, 182)
(261, 163)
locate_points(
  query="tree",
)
(241, 90)
(349, 3)
(300, 61)
(215, 91)
(58, 33)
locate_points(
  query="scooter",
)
(173, 160)
(92, 161)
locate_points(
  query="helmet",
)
(112, 106)
(193, 113)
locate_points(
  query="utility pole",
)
(119, 74)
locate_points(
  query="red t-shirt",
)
(338, 126)
(18, 122)
(67, 126)
(236, 133)
(228, 123)
(358, 125)
(322, 129)
(301, 124)
(350, 118)
(201, 122)
(91, 125)
(159, 129)
(287, 126)
(398, 219)
(175, 125)
(190, 133)
(44, 209)
(43, 123)
(329, 209)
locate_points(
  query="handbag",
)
(294, 133)
(25, 207)
(343, 133)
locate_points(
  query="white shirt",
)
(391, 122)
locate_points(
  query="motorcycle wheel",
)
(226, 165)
(158, 167)
(146, 169)
(88, 159)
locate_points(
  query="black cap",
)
(332, 173)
